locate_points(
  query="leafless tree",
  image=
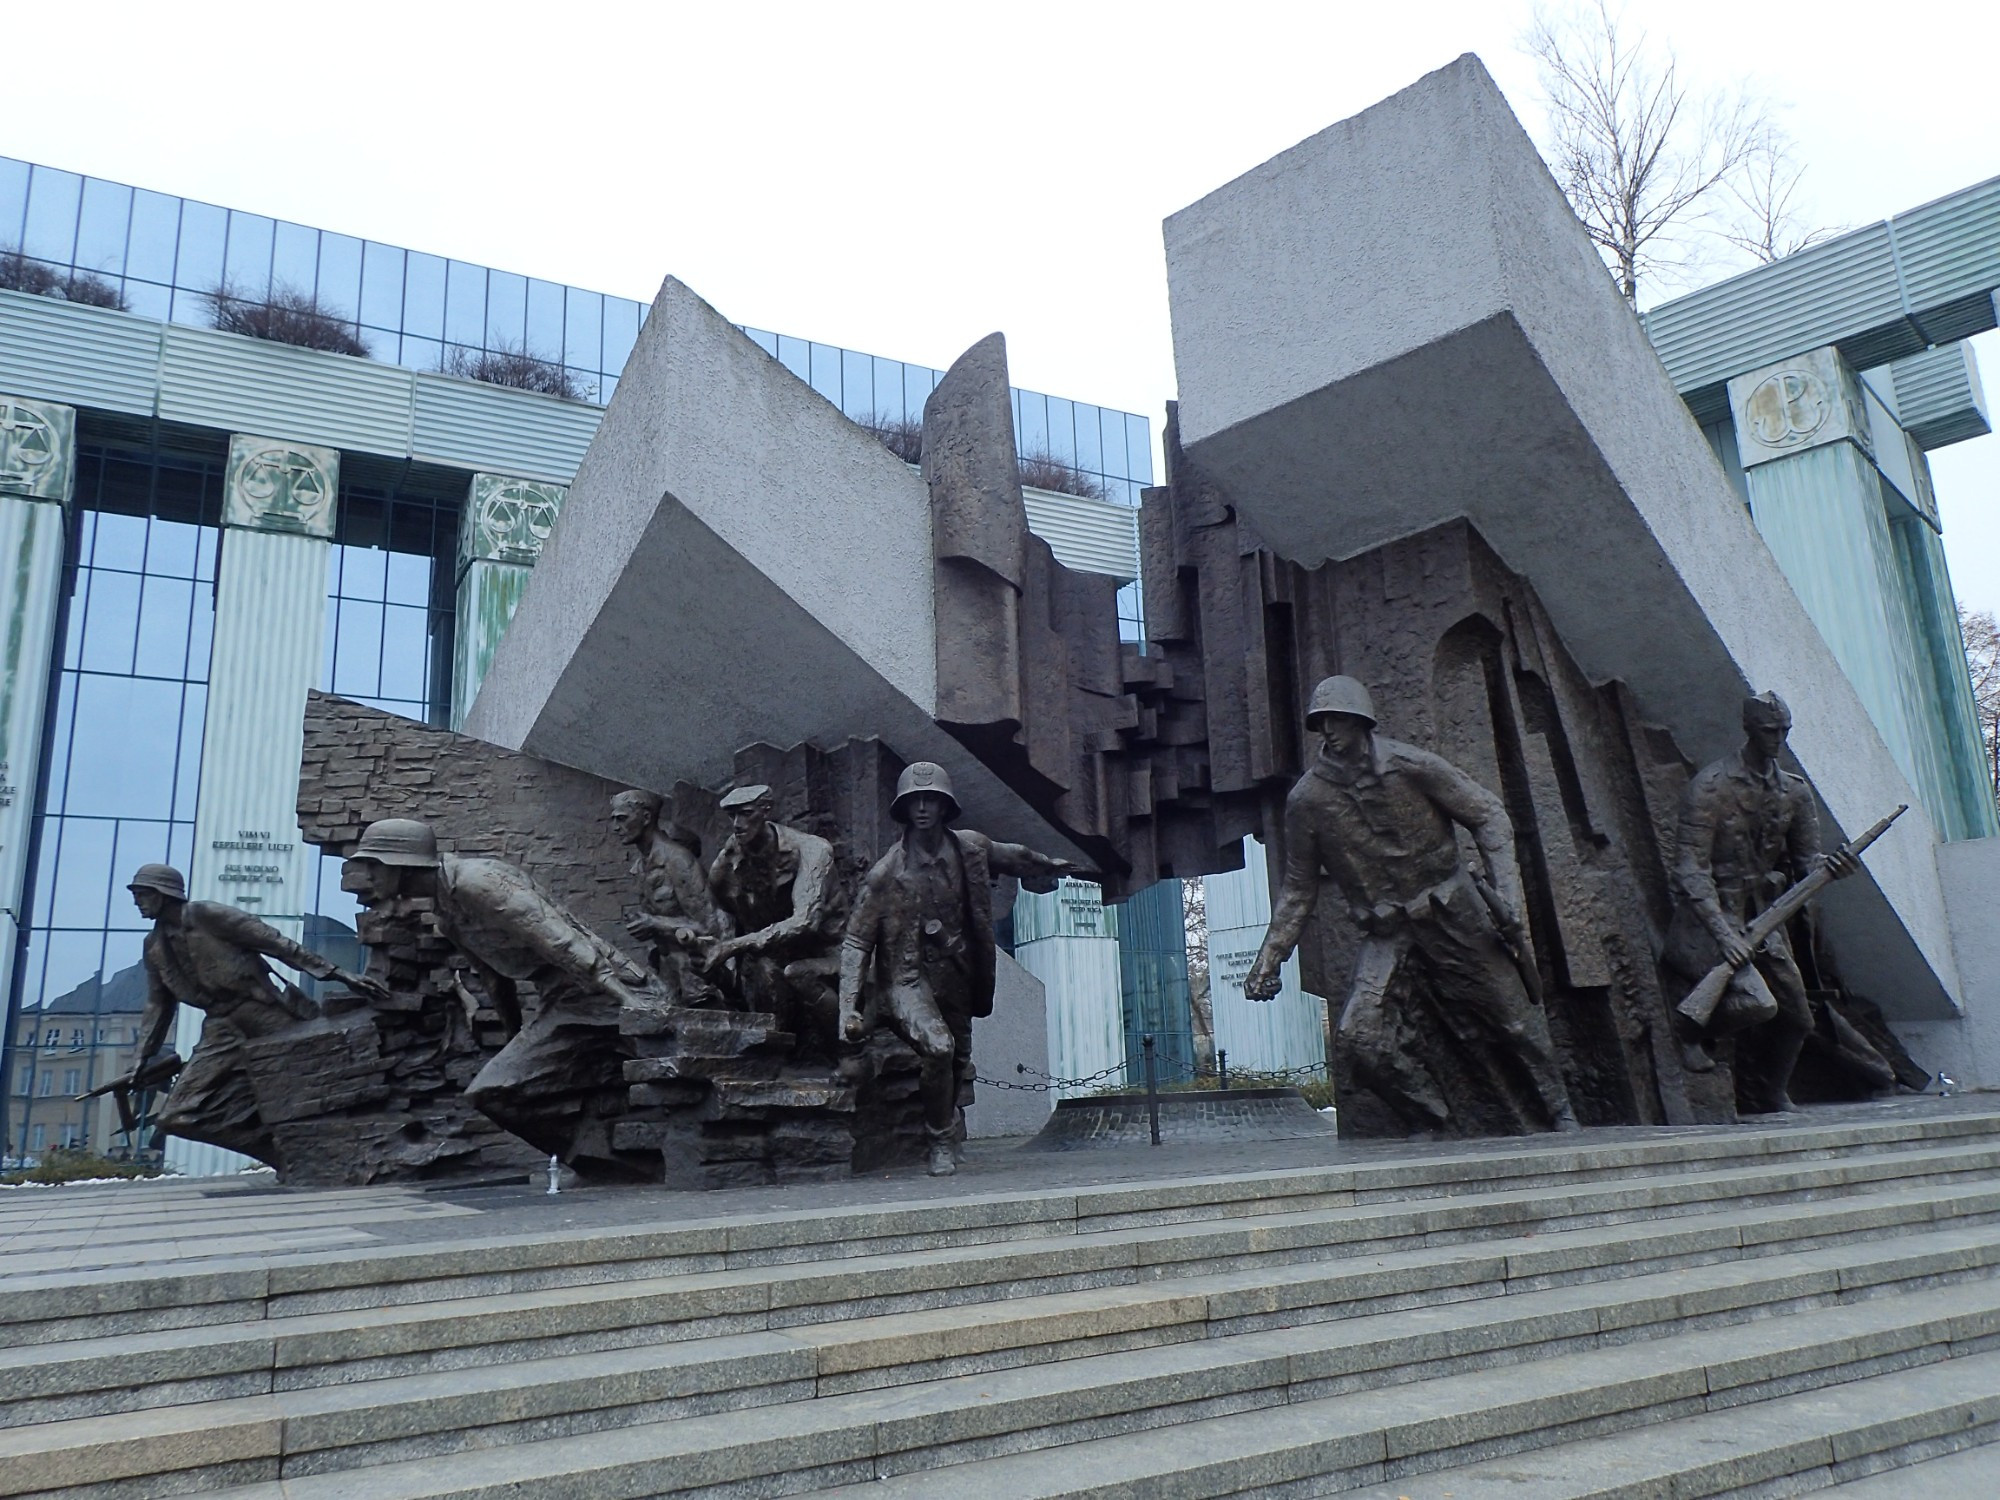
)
(1639, 153)
(514, 366)
(285, 316)
(1765, 218)
(1982, 653)
(1194, 922)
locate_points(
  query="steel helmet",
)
(922, 776)
(1339, 695)
(162, 878)
(1766, 708)
(399, 841)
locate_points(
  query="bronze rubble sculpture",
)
(1748, 831)
(779, 887)
(678, 914)
(558, 1084)
(919, 953)
(211, 956)
(1376, 820)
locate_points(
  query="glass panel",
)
(409, 577)
(795, 355)
(122, 754)
(918, 382)
(110, 622)
(857, 384)
(583, 342)
(193, 309)
(295, 258)
(201, 634)
(340, 274)
(423, 296)
(120, 541)
(247, 263)
(73, 959)
(1089, 452)
(825, 377)
(1062, 430)
(889, 389)
(506, 310)
(1032, 435)
(204, 554)
(1139, 449)
(621, 328)
(607, 387)
(768, 342)
(50, 230)
(100, 231)
(381, 286)
(198, 261)
(362, 572)
(422, 354)
(1111, 430)
(45, 861)
(545, 320)
(586, 383)
(405, 651)
(165, 605)
(148, 301)
(465, 304)
(13, 201)
(357, 657)
(65, 722)
(140, 841)
(156, 224)
(180, 842)
(187, 765)
(364, 523)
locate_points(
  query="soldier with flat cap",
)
(1377, 821)
(559, 1081)
(212, 956)
(780, 888)
(919, 953)
(1748, 831)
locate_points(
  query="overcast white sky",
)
(903, 178)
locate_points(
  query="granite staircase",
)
(1753, 1311)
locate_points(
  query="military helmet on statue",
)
(399, 841)
(162, 878)
(922, 776)
(1339, 695)
(1766, 710)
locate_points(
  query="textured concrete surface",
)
(1017, 1033)
(1398, 322)
(737, 563)
(1968, 1047)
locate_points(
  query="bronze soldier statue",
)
(559, 1082)
(677, 910)
(211, 956)
(1748, 831)
(1377, 820)
(924, 928)
(780, 889)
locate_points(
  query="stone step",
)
(1286, 1268)
(1957, 1470)
(1172, 1373)
(1127, 1427)
(40, 1310)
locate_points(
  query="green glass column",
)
(500, 536)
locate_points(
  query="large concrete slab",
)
(1399, 322)
(736, 563)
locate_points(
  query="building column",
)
(1289, 1029)
(278, 510)
(500, 536)
(1068, 939)
(37, 478)
(1834, 489)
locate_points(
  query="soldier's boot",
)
(1774, 1095)
(943, 1161)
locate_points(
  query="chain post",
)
(1222, 1062)
(1152, 1092)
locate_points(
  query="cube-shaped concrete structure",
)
(1399, 322)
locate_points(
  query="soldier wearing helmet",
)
(919, 954)
(779, 887)
(559, 1082)
(212, 956)
(1377, 821)
(1748, 830)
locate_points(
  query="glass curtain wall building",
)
(142, 602)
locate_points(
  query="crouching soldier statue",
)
(919, 954)
(211, 956)
(558, 1084)
(1376, 820)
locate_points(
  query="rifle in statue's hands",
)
(1703, 999)
(158, 1071)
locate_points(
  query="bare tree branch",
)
(1766, 220)
(1639, 154)
(1982, 654)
